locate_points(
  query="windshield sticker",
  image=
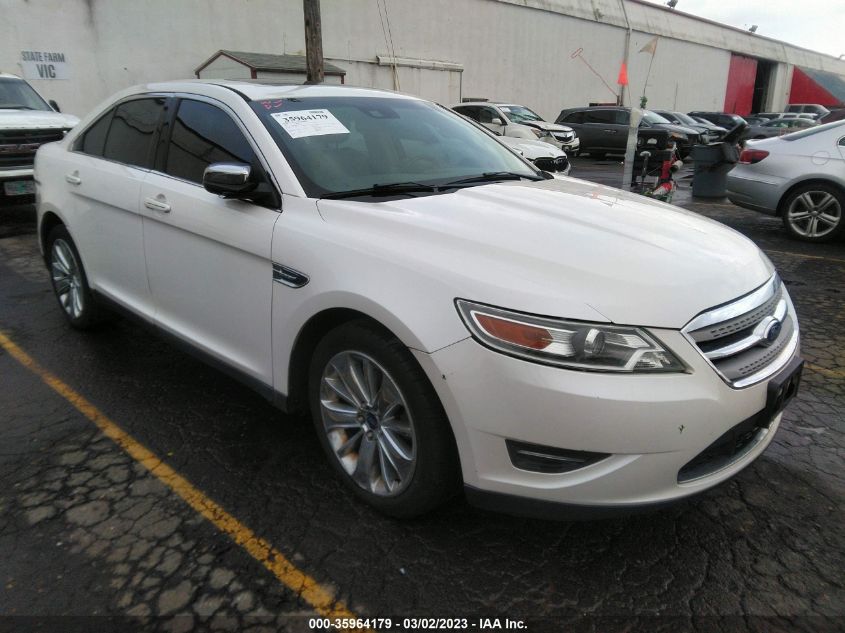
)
(302, 123)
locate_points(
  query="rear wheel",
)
(814, 213)
(380, 421)
(70, 284)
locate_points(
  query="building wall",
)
(515, 50)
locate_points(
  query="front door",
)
(208, 258)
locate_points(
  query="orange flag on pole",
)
(622, 80)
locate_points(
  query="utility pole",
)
(313, 42)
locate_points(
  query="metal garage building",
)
(548, 54)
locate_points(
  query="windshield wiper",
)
(383, 190)
(493, 176)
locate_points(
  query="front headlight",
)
(571, 344)
(679, 136)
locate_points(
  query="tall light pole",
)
(313, 42)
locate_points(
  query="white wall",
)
(516, 50)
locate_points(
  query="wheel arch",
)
(48, 221)
(307, 339)
(817, 180)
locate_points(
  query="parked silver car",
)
(800, 177)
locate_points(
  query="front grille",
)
(746, 340)
(18, 147)
(561, 163)
(564, 136)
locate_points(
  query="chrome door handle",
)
(156, 205)
(73, 179)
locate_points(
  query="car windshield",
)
(343, 144)
(816, 129)
(685, 118)
(16, 94)
(520, 114)
(653, 117)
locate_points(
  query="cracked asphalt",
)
(91, 540)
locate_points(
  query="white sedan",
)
(448, 314)
(800, 177)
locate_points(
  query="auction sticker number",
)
(300, 123)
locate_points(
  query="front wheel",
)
(70, 284)
(380, 422)
(814, 213)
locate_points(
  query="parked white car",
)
(517, 121)
(446, 312)
(544, 155)
(799, 177)
(27, 121)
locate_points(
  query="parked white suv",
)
(517, 121)
(27, 121)
(446, 312)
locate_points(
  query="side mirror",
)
(645, 124)
(54, 105)
(230, 180)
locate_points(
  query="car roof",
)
(254, 90)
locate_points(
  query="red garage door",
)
(740, 89)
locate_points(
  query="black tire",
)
(823, 195)
(87, 314)
(436, 470)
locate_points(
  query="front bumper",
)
(651, 425)
(15, 175)
(566, 146)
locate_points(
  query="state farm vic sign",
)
(44, 65)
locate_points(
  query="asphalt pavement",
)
(141, 489)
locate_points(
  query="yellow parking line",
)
(802, 255)
(833, 373)
(318, 596)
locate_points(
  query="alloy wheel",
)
(814, 214)
(368, 423)
(67, 278)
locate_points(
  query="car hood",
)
(35, 120)
(531, 149)
(548, 127)
(674, 127)
(561, 247)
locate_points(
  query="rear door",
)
(110, 160)
(604, 129)
(208, 257)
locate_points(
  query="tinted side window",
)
(470, 111)
(132, 130)
(623, 117)
(574, 117)
(603, 117)
(94, 139)
(487, 115)
(204, 134)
